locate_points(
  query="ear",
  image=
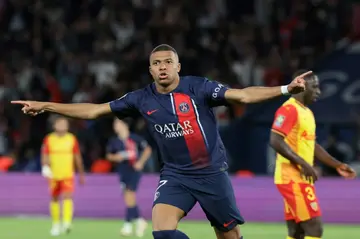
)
(178, 67)
(150, 69)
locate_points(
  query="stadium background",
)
(96, 50)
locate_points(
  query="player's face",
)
(312, 92)
(121, 128)
(61, 125)
(164, 67)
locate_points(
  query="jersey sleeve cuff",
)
(222, 92)
(278, 132)
(112, 106)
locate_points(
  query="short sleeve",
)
(285, 119)
(141, 142)
(76, 148)
(110, 147)
(126, 105)
(45, 146)
(215, 93)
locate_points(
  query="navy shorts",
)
(129, 178)
(214, 194)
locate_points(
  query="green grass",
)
(38, 228)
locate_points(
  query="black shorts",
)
(129, 178)
(215, 195)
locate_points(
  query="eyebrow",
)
(162, 60)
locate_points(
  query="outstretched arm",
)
(257, 94)
(81, 111)
(121, 107)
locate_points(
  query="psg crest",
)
(184, 107)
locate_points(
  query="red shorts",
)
(301, 203)
(58, 187)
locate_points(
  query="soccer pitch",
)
(38, 228)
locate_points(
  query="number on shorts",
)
(310, 193)
(161, 183)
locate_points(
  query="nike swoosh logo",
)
(151, 112)
(228, 224)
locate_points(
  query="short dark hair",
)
(164, 47)
(302, 71)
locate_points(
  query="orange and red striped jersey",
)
(61, 151)
(296, 123)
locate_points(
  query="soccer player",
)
(131, 152)
(179, 115)
(59, 151)
(293, 136)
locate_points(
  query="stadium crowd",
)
(97, 50)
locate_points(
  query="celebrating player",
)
(59, 150)
(124, 149)
(293, 137)
(179, 114)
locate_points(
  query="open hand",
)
(309, 173)
(32, 108)
(138, 166)
(346, 171)
(298, 84)
(82, 179)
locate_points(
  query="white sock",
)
(127, 225)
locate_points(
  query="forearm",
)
(114, 157)
(45, 160)
(254, 94)
(81, 111)
(145, 155)
(325, 157)
(79, 164)
(282, 148)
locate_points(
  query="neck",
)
(60, 134)
(167, 89)
(300, 99)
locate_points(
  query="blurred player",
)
(59, 151)
(179, 115)
(124, 149)
(294, 138)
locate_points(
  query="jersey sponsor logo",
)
(174, 130)
(305, 135)
(150, 112)
(217, 89)
(279, 121)
(184, 107)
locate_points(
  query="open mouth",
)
(163, 76)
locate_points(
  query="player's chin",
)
(164, 81)
(314, 99)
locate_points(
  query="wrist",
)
(47, 106)
(284, 90)
(338, 165)
(304, 164)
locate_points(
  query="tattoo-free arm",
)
(323, 156)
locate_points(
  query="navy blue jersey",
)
(129, 148)
(182, 123)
